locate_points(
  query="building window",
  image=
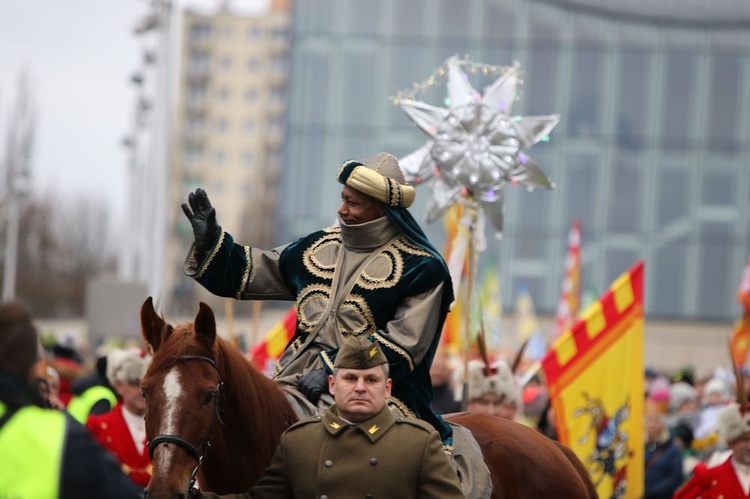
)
(225, 62)
(247, 188)
(200, 32)
(251, 95)
(193, 155)
(679, 98)
(248, 158)
(254, 33)
(196, 125)
(197, 94)
(199, 63)
(253, 63)
(277, 95)
(278, 63)
(280, 33)
(220, 157)
(224, 94)
(249, 126)
(222, 125)
(228, 33)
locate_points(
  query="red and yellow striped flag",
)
(595, 377)
(275, 341)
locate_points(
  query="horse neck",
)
(256, 412)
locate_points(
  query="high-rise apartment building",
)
(228, 130)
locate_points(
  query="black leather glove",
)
(313, 384)
(202, 217)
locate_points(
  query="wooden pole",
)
(470, 269)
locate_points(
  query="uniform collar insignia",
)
(335, 425)
(373, 429)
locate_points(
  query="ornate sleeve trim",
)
(211, 256)
(246, 274)
(400, 351)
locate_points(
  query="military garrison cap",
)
(358, 352)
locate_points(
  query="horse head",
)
(198, 426)
(183, 390)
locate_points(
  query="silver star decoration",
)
(475, 145)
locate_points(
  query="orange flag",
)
(740, 341)
(451, 335)
(595, 376)
(272, 346)
(570, 291)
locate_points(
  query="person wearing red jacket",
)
(731, 478)
(123, 430)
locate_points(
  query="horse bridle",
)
(198, 452)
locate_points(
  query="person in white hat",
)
(123, 429)
(732, 477)
(492, 390)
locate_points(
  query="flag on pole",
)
(490, 307)
(595, 376)
(570, 291)
(457, 240)
(273, 344)
(740, 341)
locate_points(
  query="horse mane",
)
(259, 400)
(580, 468)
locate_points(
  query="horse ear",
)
(152, 325)
(205, 324)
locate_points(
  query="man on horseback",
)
(374, 274)
(358, 447)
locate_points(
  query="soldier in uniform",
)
(731, 478)
(358, 447)
(374, 274)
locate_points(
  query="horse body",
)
(211, 415)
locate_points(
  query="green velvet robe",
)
(362, 279)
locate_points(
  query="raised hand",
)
(202, 217)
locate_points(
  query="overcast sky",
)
(79, 55)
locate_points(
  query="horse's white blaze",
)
(172, 392)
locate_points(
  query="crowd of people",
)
(372, 284)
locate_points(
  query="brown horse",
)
(212, 416)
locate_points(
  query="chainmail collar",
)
(369, 235)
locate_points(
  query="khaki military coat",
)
(385, 457)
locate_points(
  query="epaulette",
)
(416, 422)
(304, 422)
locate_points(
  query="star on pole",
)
(475, 145)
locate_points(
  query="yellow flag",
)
(595, 377)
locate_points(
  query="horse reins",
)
(198, 452)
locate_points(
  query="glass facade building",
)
(651, 153)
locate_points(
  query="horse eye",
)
(208, 398)
(143, 392)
